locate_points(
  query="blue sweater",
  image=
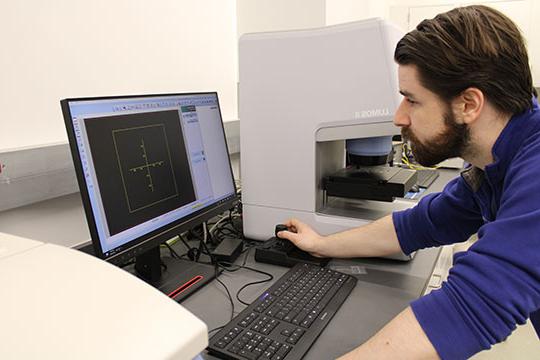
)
(495, 284)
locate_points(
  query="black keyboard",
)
(287, 318)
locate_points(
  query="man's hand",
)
(303, 237)
(376, 239)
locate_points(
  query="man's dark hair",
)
(473, 46)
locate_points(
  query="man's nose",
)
(401, 118)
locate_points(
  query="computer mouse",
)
(280, 227)
(280, 243)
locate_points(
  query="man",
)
(468, 92)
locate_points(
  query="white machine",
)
(302, 95)
(59, 303)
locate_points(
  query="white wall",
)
(525, 13)
(341, 11)
(71, 48)
(408, 13)
(533, 42)
(276, 15)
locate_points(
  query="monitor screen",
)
(149, 167)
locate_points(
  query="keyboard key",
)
(284, 350)
(287, 332)
(292, 340)
(220, 344)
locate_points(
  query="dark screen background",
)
(141, 166)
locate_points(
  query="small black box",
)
(228, 250)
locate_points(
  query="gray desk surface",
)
(384, 288)
(59, 221)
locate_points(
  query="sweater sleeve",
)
(432, 221)
(496, 283)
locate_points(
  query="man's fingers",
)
(288, 235)
(293, 223)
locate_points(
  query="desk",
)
(59, 221)
(381, 293)
(386, 288)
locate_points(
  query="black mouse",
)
(280, 227)
(280, 243)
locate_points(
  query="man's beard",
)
(452, 142)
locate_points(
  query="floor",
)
(523, 344)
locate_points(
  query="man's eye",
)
(411, 101)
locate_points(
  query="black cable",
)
(184, 241)
(215, 329)
(226, 231)
(246, 256)
(226, 226)
(216, 269)
(239, 210)
(223, 266)
(193, 253)
(173, 253)
(231, 221)
(183, 255)
(270, 278)
(203, 244)
(238, 267)
(131, 262)
(228, 295)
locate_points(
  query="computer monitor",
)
(150, 167)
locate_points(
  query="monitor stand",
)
(177, 278)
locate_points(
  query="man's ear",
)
(468, 105)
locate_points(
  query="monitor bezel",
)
(154, 238)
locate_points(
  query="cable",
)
(407, 155)
(212, 260)
(173, 253)
(217, 223)
(131, 262)
(246, 256)
(270, 278)
(222, 265)
(243, 266)
(184, 242)
(203, 246)
(202, 243)
(228, 295)
(226, 227)
(231, 219)
(215, 329)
